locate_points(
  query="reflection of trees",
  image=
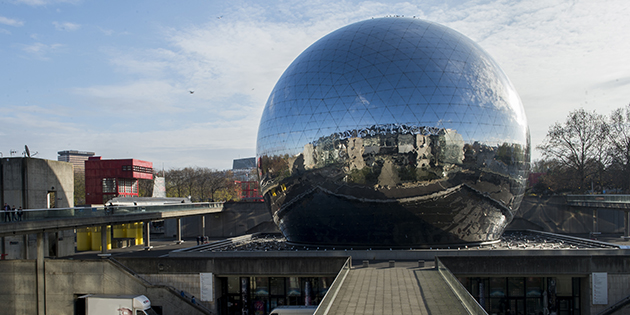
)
(387, 155)
(275, 166)
(510, 153)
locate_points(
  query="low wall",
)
(237, 218)
(65, 280)
(617, 269)
(552, 214)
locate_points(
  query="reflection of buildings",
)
(244, 171)
(106, 179)
(77, 158)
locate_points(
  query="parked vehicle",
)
(293, 310)
(117, 305)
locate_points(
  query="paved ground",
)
(161, 247)
(403, 289)
(608, 238)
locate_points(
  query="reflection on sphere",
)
(393, 132)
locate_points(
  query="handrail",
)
(602, 198)
(100, 211)
(615, 307)
(186, 296)
(324, 306)
(468, 301)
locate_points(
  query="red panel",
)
(96, 169)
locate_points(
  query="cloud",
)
(139, 96)
(10, 22)
(559, 54)
(40, 50)
(38, 3)
(66, 26)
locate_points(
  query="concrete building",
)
(36, 183)
(33, 183)
(77, 158)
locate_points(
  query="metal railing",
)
(331, 294)
(599, 198)
(189, 298)
(468, 301)
(99, 211)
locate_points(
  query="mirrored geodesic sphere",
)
(393, 132)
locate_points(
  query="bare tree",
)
(619, 137)
(578, 144)
(79, 188)
(175, 183)
(201, 184)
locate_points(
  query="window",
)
(109, 185)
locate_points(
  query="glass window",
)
(260, 286)
(516, 286)
(293, 286)
(534, 305)
(564, 286)
(534, 287)
(233, 286)
(109, 185)
(497, 287)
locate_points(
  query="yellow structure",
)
(96, 238)
(89, 238)
(84, 241)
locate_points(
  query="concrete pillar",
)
(41, 277)
(104, 232)
(147, 235)
(626, 224)
(25, 246)
(203, 225)
(179, 230)
(595, 223)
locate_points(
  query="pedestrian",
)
(193, 300)
(20, 212)
(13, 213)
(198, 239)
(7, 214)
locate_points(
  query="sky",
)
(114, 77)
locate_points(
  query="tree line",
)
(589, 152)
(201, 184)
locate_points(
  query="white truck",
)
(117, 305)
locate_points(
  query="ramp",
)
(380, 289)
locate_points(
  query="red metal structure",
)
(249, 190)
(106, 179)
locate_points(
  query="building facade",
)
(107, 179)
(33, 183)
(76, 158)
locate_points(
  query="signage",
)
(205, 286)
(600, 288)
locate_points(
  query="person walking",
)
(13, 213)
(7, 212)
(20, 212)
